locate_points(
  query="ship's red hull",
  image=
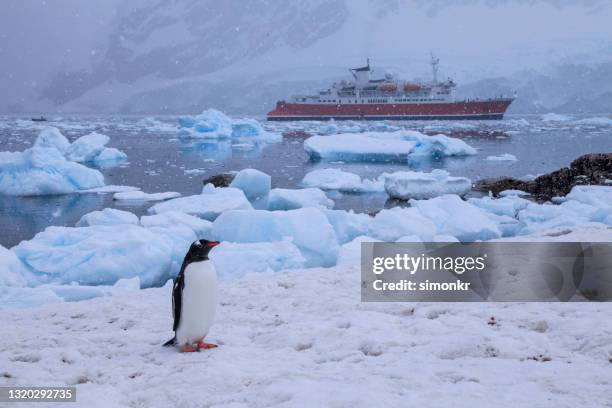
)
(489, 109)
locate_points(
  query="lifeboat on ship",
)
(387, 87)
(411, 87)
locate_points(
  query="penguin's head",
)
(198, 251)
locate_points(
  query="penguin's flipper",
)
(177, 299)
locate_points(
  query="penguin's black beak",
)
(213, 244)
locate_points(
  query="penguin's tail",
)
(170, 342)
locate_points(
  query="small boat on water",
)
(41, 119)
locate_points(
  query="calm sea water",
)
(159, 162)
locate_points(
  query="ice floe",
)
(107, 216)
(502, 157)
(384, 146)
(335, 179)
(142, 196)
(208, 205)
(290, 199)
(405, 185)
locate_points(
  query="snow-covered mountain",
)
(175, 56)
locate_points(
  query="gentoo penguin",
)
(194, 298)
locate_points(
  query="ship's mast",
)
(434, 67)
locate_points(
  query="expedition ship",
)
(389, 98)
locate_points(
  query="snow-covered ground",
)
(303, 338)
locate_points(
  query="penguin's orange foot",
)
(188, 348)
(206, 346)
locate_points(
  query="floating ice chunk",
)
(288, 199)
(404, 185)
(86, 148)
(97, 255)
(201, 228)
(52, 137)
(44, 171)
(142, 196)
(245, 129)
(390, 225)
(502, 157)
(110, 189)
(254, 183)
(208, 205)
(107, 216)
(347, 224)
(12, 271)
(109, 156)
(370, 146)
(508, 206)
(555, 117)
(334, 179)
(233, 260)
(453, 216)
(350, 253)
(597, 196)
(317, 244)
(438, 145)
(328, 128)
(518, 193)
(210, 124)
(597, 121)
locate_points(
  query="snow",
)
(335, 179)
(44, 171)
(519, 193)
(142, 196)
(502, 157)
(254, 183)
(97, 255)
(107, 216)
(208, 205)
(234, 260)
(405, 185)
(384, 146)
(303, 338)
(291, 199)
(318, 245)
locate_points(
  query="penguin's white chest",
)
(199, 302)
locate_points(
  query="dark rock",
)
(590, 169)
(220, 180)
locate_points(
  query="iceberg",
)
(97, 255)
(404, 185)
(44, 171)
(507, 206)
(86, 148)
(12, 271)
(107, 216)
(201, 228)
(453, 216)
(282, 199)
(142, 196)
(555, 117)
(318, 245)
(109, 156)
(438, 146)
(370, 146)
(234, 260)
(245, 129)
(254, 183)
(52, 137)
(208, 205)
(213, 124)
(334, 179)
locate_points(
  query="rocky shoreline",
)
(589, 169)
